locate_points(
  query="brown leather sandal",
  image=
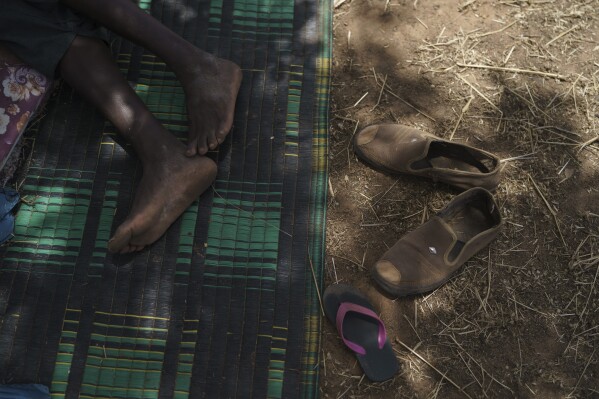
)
(427, 257)
(403, 149)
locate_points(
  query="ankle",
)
(194, 62)
(150, 140)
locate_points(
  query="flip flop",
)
(7, 227)
(361, 330)
(8, 201)
(9, 198)
(24, 391)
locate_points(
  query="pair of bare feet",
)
(174, 175)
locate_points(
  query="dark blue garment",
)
(40, 32)
(24, 391)
(8, 200)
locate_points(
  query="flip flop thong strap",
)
(8, 200)
(346, 307)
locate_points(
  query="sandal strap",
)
(11, 199)
(346, 307)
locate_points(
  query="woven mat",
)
(225, 304)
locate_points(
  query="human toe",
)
(213, 142)
(134, 248)
(192, 148)
(197, 145)
(202, 149)
(120, 240)
(222, 133)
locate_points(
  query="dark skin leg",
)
(171, 180)
(210, 83)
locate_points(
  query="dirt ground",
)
(517, 78)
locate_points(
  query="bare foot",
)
(171, 181)
(211, 85)
(168, 186)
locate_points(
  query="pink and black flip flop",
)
(361, 330)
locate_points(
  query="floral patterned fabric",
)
(22, 91)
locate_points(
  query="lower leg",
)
(210, 83)
(128, 20)
(171, 181)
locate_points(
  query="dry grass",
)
(522, 318)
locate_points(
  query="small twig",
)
(528, 307)
(376, 80)
(343, 118)
(424, 214)
(574, 260)
(373, 224)
(443, 375)
(464, 110)
(335, 270)
(525, 156)
(587, 143)
(480, 365)
(388, 89)
(583, 371)
(480, 94)
(573, 91)
(403, 218)
(553, 212)
(515, 70)
(349, 143)
(530, 104)
(471, 372)
(378, 101)
(360, 100)
(331, 192)
(347, 259)
(563, 167)
(344, 392)
(466, 4)
(441, 35)
(493, 32)
(586, 331)
(561, 35)
(520, 355)
(413, 329)
(531, 97)
(385, 193)
(486, 300)
(364, 256)
(415, 314)
(558, 128)
(316, 283)
(423, 24)
(584, 310)
(509, 54)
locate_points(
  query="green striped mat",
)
(225, 304)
